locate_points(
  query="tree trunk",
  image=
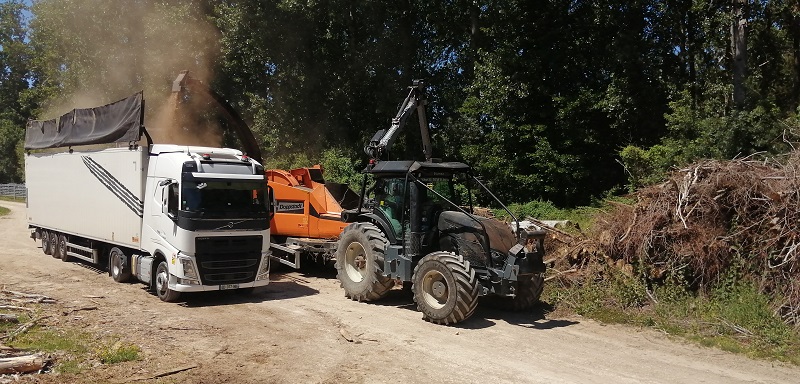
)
(793, 22)
(739, 51)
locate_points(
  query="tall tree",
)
(15, 76)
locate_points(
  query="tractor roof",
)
(416, 166)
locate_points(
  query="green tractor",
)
(415, 224)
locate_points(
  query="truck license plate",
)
(228, 286)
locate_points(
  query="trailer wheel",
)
(53, 238)
(45, 235)
(62, 248)
(359, 262)
(445, 288)
(55, 243)
(527, 295)
(119, 266)
(162, 284)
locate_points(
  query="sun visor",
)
(118, 122)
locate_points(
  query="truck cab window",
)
(172, 199)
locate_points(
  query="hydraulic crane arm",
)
(381, 142)
(185, 83)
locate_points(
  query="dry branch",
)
(160, 374)
(22, 329)
(713, 216)
(15, 308)
(22, 364)
(21, 297)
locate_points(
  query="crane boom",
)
(382, 141)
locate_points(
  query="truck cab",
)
(206, 215)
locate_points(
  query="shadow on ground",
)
(276, 290)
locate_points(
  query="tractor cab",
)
(407, 197)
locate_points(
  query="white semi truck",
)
(179, 218)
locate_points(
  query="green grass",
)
(74, 349)
(4, 211)
(9, 198)
(734, 318)
(580, 217)
(118, 352)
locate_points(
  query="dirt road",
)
(297, 330)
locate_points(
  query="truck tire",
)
(445, 288)
(527, 295)
(359, 262)
(53, 238)
(119, 266)
(161, 284)
(55, 243)
(45, 236)
(62, 248)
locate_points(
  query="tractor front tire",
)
(445, 288)
(528, 292)
(359, 262)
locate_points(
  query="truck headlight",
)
(188, 268)
(263, 270)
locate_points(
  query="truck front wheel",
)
(162, 284)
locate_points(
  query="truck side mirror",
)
(270, 202)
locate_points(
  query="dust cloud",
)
(110, 50)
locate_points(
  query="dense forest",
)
(557, 100)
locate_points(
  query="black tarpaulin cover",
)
(117, 122)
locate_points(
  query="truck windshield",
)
(224, 196)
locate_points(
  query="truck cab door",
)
(164, 219)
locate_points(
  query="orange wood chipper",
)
(307, 220)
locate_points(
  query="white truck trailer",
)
(179, 218)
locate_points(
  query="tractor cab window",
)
(390, 199)
(448, 190)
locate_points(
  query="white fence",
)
(16, 191)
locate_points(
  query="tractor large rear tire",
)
(527, 295)
(359, 262)
(445, 288)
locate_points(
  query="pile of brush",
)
(713, 219)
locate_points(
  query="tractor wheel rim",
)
(435, 290)
(356, 262)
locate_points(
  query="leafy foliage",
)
(561, 101)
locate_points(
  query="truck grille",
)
(228, 260)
